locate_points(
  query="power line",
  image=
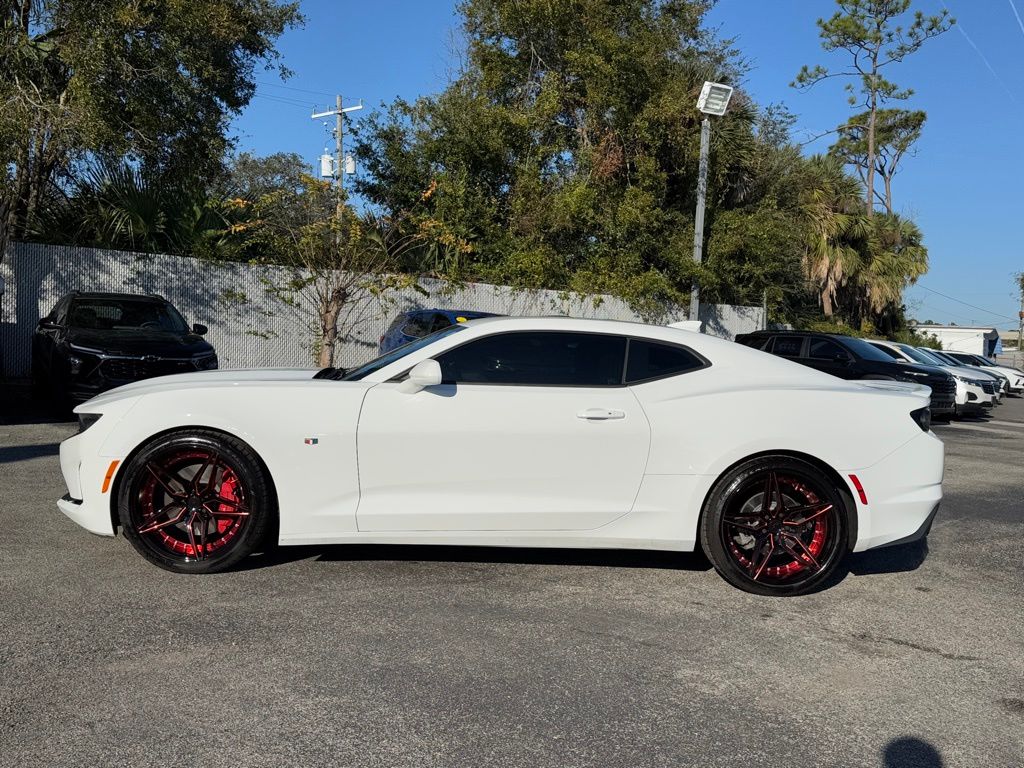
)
(972, 306)
(280, 100)
(293, 88)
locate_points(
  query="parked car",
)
(537, 432)
(417, 323)
(1000, 383)
(1014, 376)
(851, 358)
(975, 391)
(92, 342)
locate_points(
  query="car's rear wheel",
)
(195, 502)
(775, 525)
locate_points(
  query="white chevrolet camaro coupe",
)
(525, 432)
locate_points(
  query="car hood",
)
(969, 372)
(139, 342)
(894, 386)
(198, 380)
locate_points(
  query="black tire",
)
(216, 487)
(795, 547)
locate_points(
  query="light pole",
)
(714, 99)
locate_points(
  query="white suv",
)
(1015, 375)
(975, 391)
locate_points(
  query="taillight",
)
(923, 417)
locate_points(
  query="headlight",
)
(86, 420)
(205, 363)
(75, 364)
(918, 374)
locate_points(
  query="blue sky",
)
(962, 187)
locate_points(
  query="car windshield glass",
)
(984, 362)
(864, 350)
(124, 315)
(398, 353)
(946, 359)
(924, 356)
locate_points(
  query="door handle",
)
(600, 414)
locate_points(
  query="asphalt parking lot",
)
(389, 656)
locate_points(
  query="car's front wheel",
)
(195, 502)
(775, 525)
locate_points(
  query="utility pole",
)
(339, 131)
(1020, 330)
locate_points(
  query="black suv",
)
(92, 342)
(850, 358)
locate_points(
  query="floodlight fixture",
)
(714, 98)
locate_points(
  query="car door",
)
(529, 430)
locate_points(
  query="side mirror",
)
(424, 374)
(200, 330)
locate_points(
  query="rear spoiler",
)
(688, 325)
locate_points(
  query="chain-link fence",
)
(254, 326)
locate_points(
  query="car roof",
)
(121, 296)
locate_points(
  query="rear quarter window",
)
(650, 360)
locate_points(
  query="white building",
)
(961, 338)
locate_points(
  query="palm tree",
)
(835, 228)
(120, 205)
(898, 258)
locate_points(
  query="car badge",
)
(311, 441)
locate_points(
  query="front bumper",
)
(87, 501)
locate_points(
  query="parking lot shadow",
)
(12, 453)
(911, 752)
(17, 406)
(896, 559)
(682, 561)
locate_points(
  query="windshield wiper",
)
(335, 374)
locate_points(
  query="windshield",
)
(984, 361)
(914, 354)
(921, 355)
(399, 352)
(946, 359)
(865, 350)
(124, 315)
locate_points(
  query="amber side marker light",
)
(110, 474)
(860, 489)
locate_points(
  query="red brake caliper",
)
(227, 491)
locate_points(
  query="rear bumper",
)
(903, 491)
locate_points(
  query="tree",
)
(896, 132)
(873, 35)
(153, 82)
(565, 154)
(336, 262)
(834, 230)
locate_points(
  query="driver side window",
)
(537, 358)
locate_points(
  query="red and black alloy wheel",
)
(775, 526)
(194, 502)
